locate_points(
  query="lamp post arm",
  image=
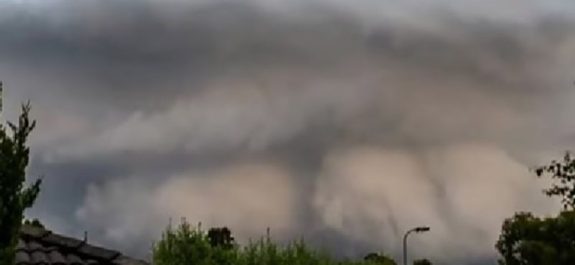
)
(405, 245)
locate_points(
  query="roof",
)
(37, 246)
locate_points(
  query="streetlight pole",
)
(420, 229)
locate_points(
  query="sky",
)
(343, 122)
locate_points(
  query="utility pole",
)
(1, 88)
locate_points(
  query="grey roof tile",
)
(73, 259)
(22, 257)
(64, 241)
(34, 231)
(21, 245)
(56, 257)
(37, 246)
(98, 252)
(39, 257)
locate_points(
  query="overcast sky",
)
(347, 122)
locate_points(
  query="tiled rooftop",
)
(38, 246)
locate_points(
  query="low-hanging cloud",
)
(375, 193)
(246, 198)
(325, 117)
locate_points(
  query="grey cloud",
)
(144, 103)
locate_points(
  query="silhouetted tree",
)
(564, 174)
(422, 262)
(221, 237)
(14, 197)
(186, 245)
(377, 258)
(529, 240)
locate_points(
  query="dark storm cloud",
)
(130, 45)
(322, 118)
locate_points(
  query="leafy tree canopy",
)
(422, 262)
(188, 245)
(526, 239)
(529, 240)
(376, 258)
(14, 197)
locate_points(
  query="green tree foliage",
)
(183, 245)
(376, 258)
(563, 172)
(526, 239)
(529, 240)
(422, 262)
(14, 197)
(187, 245)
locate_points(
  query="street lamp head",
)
(422, 229)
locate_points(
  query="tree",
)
(422, 262)
(529, 240)
(14, 197)
(182, 245)
(526, 239)
(187, 245)
(376, 258)
(221, 237)
(564, 174)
